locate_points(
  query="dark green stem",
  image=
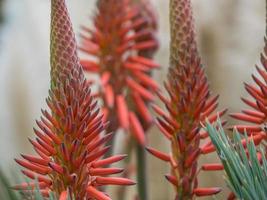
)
(129, 145)
(141, 172)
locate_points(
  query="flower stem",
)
(129, 145)
(141, 172)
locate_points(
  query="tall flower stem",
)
(141, 172)
(141, 169)
(129, 145)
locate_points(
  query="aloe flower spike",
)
(69, 143)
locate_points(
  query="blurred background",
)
(230, 37)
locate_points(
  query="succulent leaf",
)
(244, 165)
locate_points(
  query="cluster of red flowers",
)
(257, 115)
(189, 105)
(120, 46)
(69, 142)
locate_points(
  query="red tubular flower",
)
(189, 105)
(120, 46)
(69, 143)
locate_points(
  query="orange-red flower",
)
(69, 141)
(120, 46)
(188, 105)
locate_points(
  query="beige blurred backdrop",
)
(230, 35)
